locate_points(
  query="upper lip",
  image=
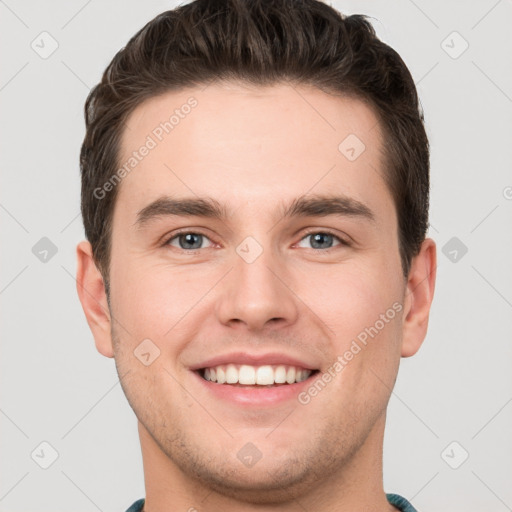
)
(270, 358)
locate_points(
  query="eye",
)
(187, 240)
(192, 240)
(322, 240)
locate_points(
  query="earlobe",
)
(418, 299)
(91, 292)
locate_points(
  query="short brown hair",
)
(259, 42)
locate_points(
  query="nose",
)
(257, 294)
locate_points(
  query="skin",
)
(251, 149)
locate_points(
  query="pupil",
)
(319, 238)
(189, 239)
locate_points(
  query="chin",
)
(264, 485)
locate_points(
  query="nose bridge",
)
(256, 294)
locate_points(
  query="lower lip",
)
(256, 395)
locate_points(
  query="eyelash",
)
(343, 242)
(313, 231)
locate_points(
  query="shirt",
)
(396, 500)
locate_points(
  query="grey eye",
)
(188, 241)
(320, 240)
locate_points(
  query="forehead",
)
(245, 145)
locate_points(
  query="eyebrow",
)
(207, 207)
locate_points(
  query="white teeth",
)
(290, 375)
(266, 375)
(280, 375)
(231, 374)
(246, 375)
(221, 375)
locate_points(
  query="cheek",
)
(367, 319)
(157, 301)
(137, 304)
(351, 299)
(362, 306)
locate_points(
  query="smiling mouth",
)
(256, 376)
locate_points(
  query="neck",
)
(354, 485)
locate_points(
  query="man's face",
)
(302, 286)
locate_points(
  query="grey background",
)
(56, 388)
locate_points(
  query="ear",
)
(91, 292)
(418, 297)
